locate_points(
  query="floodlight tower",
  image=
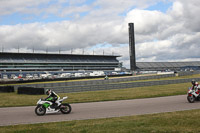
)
(132, 47)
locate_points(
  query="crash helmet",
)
(48, 91)
(196, 83)
(193, 82)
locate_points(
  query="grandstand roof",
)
(166, 65)
(51, 54)
(55, 58)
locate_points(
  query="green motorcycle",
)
(46, 106)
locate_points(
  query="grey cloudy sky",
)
(165, 30)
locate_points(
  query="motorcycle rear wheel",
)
(65, 108)
(40, 110)
(191, 99)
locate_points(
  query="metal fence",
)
(80, 88)
(95, 85)
(93, 82)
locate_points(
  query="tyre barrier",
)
(6, 88)
(30, 91)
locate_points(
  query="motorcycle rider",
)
(195, 85)
(55, 97)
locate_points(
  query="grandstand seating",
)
(42, 62)
(160, 66)
(29, 61)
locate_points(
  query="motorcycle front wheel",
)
(65, 108)
(191, 99)
(40, 110)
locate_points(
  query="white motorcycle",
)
(46, 106)
(193, 94)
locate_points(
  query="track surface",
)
(81, 111)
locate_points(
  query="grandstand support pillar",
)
(132, 47)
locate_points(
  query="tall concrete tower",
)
(132, 47)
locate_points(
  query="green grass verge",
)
(173, 122)
(14, 99)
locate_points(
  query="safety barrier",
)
(30, 90)
(116, 83)
(62, 88)
(6, 88)
(69, 89)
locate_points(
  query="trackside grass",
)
(173, 122)
(14, 99)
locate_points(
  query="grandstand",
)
(54, 62)
(162, 66)
(74, 62)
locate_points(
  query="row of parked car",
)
(52, 75)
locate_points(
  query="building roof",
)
(166, 65)
(54, 58)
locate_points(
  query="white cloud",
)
(187, 11)
(13, 6)
(148, 23)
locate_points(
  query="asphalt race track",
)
(82, 111)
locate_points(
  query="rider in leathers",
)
(195, 85)
(55, 97)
